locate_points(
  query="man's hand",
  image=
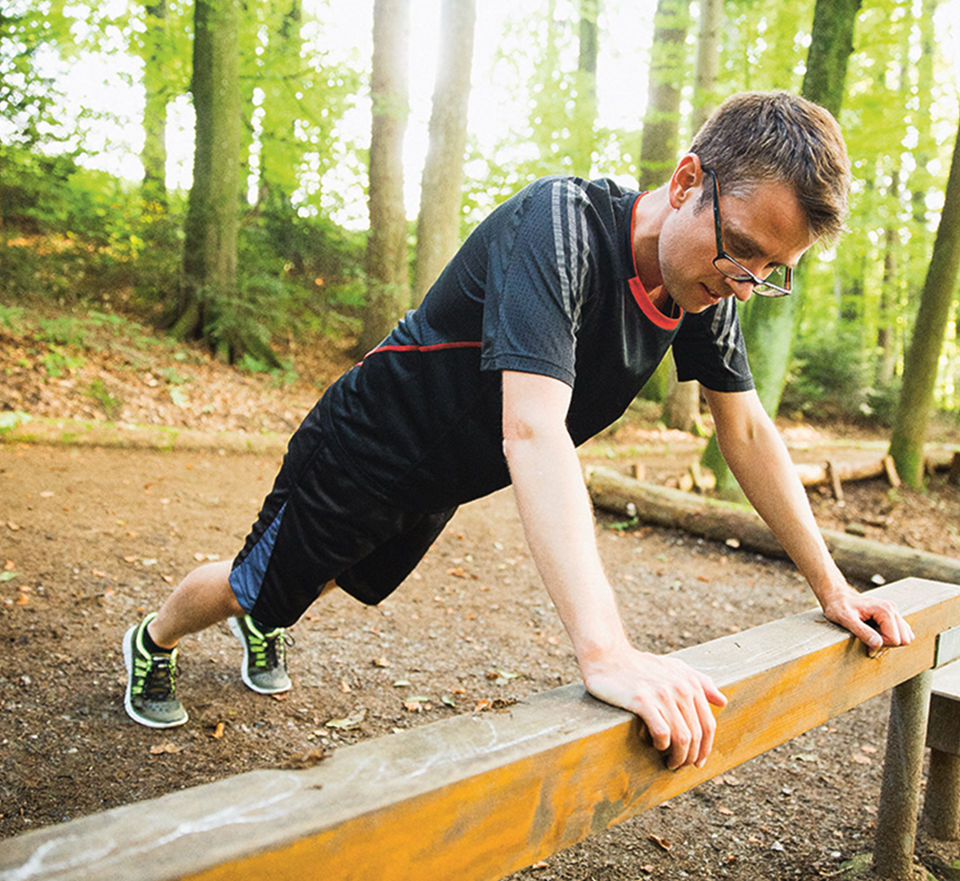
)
(853, 610)
(671, 698)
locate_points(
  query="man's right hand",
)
(671, 698)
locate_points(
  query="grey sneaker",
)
(264, 667)
(151, 697)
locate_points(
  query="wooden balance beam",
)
(479, 796)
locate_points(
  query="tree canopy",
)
(97, 140)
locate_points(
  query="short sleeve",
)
(709, 347)
(537, 272)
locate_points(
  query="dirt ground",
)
(92, 538)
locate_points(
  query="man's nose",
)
(742, 290)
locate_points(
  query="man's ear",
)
(686, 179)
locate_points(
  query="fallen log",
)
(859, 558)
(833, 472)
(817, 473)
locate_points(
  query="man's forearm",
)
(769, 479)
(558, 522)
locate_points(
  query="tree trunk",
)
(886, 340)
(681, 409)
(769, 324)
(154, 152)
(210, 243)
(668, 72)
(707, 63)
(438, 224)
(387, 272)
(583, 135)
(920, 366)
(681, 406)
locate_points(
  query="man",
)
(536, 336)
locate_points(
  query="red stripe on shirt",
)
(463, 344)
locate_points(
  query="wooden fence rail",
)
(479, 796)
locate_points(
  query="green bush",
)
(827, 377)
(880, 404)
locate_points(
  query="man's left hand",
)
(886, 627)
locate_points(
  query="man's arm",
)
(672, 698)
(759, 460)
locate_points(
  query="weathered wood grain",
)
(477, 797)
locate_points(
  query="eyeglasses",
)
(778, 283)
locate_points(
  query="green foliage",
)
(75, 236)
(99, 392)
(10, 316)
(65, 331)
(27, 97)
(298, 94)
(57, 361)
(828, 377)
(11, 419)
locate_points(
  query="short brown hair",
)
(775, 136)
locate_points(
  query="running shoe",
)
(151, 697)
(264, 667)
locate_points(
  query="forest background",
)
(250, 174)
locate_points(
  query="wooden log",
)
(818, 473)
(857, 557)
(477, 797)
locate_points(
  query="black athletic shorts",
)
(318, 525)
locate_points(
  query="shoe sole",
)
(237, 631)
(128, 697)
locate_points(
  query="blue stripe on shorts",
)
(247, 578)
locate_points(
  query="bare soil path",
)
(91, 538)
(96, 537)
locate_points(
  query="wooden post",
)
(833, 476)
(941, 807)
(954, 476)
(902, 770)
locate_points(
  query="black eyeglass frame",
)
(761, 286)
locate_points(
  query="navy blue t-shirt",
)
(546, 284)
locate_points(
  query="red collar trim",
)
(639, 292)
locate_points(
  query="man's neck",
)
(650, 212)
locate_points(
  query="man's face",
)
(761, 231)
